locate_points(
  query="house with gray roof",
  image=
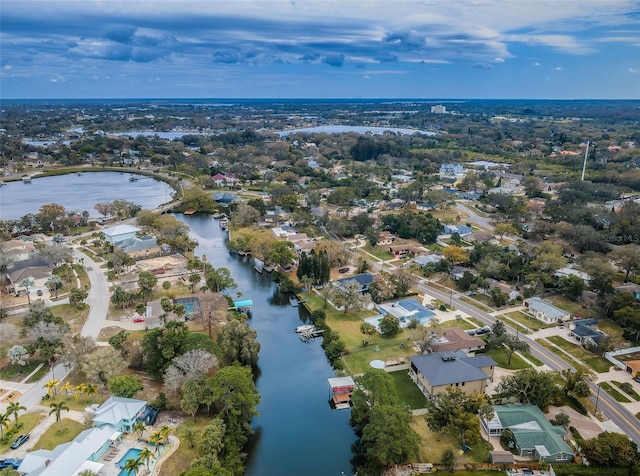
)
(434, 373)
(120, 412)
(533, 434)
(362, 280)
(121, 232)
(544, 311)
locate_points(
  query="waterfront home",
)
(120, 412)
(544, 311)
(36, 269)
(533, 434)
(122, 232)
(456, 339)
(434, 373)
(363, 281)
(18, 249)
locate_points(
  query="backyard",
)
(596, 362)
(59, 433)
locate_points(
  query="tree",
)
(4, 423)
(455, 254)
(162, 345)
(448, 460)
(145, 455)
(190, 435)
(388, 439)
(611, 449)
(190, 401)
(18, 355)
(74, 348)
(77, 297)
(627, 257)
(389, 326)
(146, 283)
(57, 408)
(211, 444)
(14, 409)
(139, 427)
(219, 280)
(27, 283)
(193, 365)
(576, 383)
(125, 386)
(367, 330)
(532, 386)
(54, 283)
(562, 419)
(464, 425)
(239, 343)
(375, 387)
(133, 465)
(571, 286)
(442, 406)
(8, 334)
(103, 364)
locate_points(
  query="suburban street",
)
(608, 406)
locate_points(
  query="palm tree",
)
(190, 434)
(65, 388)
(91, 389)
(53, 284)
(51, 386)
(57, 409)
(155, 439)
(4, 423)
(139, 427)
(80, 389)
(27, 283)
(145, 455)
(132, 466)
(14, 409)
(165, 431)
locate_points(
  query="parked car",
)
(39, 292)
(10, 463)
(343, 270)
(471, 332)
(483, 330)
(21, 440)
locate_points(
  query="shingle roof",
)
(445, 368)
(120, 230)
(539, 304)
(362, 279)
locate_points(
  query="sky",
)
(485, 49)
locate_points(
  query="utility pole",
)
(584, 165)
(597, 398)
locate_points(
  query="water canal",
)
(296, 432)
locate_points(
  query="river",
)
(297, 433)
(81, 192)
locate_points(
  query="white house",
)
(544, 311)
(117, 233)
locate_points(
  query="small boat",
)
(134, 178)
(191, 211)
(293, 301)
(26, 179)
(304, 328)
(217, 216)
(79, 174)
(2, 183)
(224, 223)
(268, 268)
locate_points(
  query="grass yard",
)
(379, 252)
(527, 321)
(475, 303)
(432, 445)
(357, 360)
(575, 308)
(407, 390)
(633, 394)
(15, 373)
(72, 402)
(184, 455)
(614, 393)
(28, 422)
(59, 433)
(72, 316)
(501, 360)
(613, 330)
(597, 363)
(533, 359)
(461, 323)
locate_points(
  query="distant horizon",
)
(345, 98)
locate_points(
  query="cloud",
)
(535, 63)
(56, 79)
(558, 68)
(499, 60)
(634, 70)
(335, 60)
(366, 76)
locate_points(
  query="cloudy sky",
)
(320, 49)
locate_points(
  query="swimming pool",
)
(132, 453)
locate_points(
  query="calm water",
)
(296, 432)
(81, 193)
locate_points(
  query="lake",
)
(337, 129)
(81, 193)
(297, 433)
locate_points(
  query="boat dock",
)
(242, 306)
(308, 334)
(295, 302)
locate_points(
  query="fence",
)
(611, 356)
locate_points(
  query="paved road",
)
(98, 300)
(619, 415)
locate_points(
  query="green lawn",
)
(408, 390)
(28, 422)
(501, 360)
(461, 323)
(58, 433)
(613, 330)
(16, 373)
(380, 252)
(39, 374)
(72, 402)
(533, 359)
(357, 360)
(633, 393)
(597, 363)
(184, 455)
(614, 393)
(575, 308)
(475, 303)
(527, 321)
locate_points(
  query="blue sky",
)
(558, 49)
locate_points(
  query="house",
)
(571, 271)
(401, 251)
(452, 170)
(586, 332)
(633, 367)
(363, 281)
(434, 373)
(137, 245)
(405, 311)
(424, 260)
(225, 198)
(629, 288)
(477, 236)
(340, 391)
(395, 204)
(385, 238)
(36, 269)
(457, 272)
(461, 230)
(18, 249)
(456, 339)
(505, 288)
(224, 180)
(118, 233)
(111, 419)
(425, 206)
(534, 435)
(544, 311)
(119, 412)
